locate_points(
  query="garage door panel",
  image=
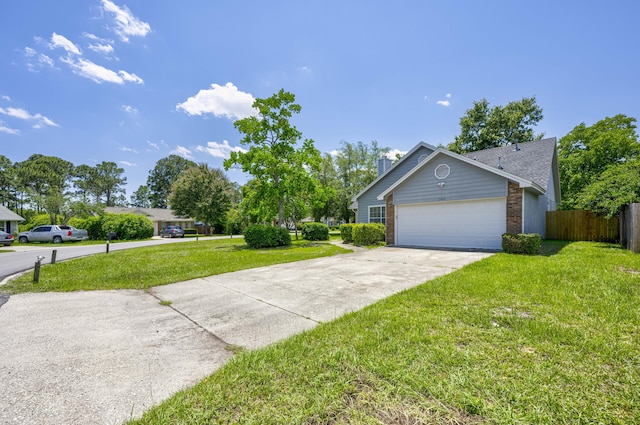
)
(468, 224)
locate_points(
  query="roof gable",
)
(525, 183)
(154, 214)
(389, 172)
(7, 215)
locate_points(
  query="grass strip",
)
(510, 339)
(141, 268)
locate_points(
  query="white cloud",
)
(99, 73)
(182, 151)
(96, 38)
(130, 77)
(8, 130)
(7, 98)
(103, 49)
(127, 163)
(335, 152)
(58, 40)
(221, 101)
(129, 109)
(37, 60)
(393, 153)
(154, 146)
(128, 149)
(445, 103)
(126, 24)
(40, 120)
(220, 150)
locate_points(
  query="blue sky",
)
(134, 81)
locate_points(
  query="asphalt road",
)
(20, 258)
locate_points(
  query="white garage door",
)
(468, 224)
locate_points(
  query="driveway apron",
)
(102, 357)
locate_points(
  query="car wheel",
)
(182, 236)
(23, 239)
(7, 244)
(57, 239)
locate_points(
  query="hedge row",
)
(315, 232)
(363, 233)
(522, 243)
(261, 236)
(125, 226)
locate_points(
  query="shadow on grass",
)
(552, 247)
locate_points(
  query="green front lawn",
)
(141, 268)
(510, 339)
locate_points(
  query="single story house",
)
(160, 217)
(432, 197)
(9, 220)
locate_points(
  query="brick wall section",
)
(514, 208)
(390, 220)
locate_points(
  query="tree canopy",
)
(164, 174)
(483, 126)
(202, 193)
(279, 167)
(587, 151)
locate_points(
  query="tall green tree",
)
(108, 183)
(202, 193)
(324, 200)
(273, 157)
(141, 198)
(483, 126)
(84, 180)
(43, 175)
(164, 174)
(587, 151)
(8, 183)
(615, 187)
(357, 167)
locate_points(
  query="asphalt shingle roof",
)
(154, 214)
(533, 161)
(7, 215)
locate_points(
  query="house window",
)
(377, 214)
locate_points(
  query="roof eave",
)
(394, 165)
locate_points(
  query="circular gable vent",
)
(442, 171)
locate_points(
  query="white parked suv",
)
(53, 233)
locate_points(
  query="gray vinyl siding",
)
(370, 197)
(535, 213)
(464, 182)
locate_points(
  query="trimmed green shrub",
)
(261, 236)
(315, 232)
(368, 234)
(522, 243)
(36, 220)
(346, 233)
(77, 222)
(126, 226)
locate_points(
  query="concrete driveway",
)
(102, 357)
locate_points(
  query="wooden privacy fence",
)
(630, 227)
(580, 225)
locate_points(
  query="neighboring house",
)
(160, 217)
(9, 220)
(433, 197)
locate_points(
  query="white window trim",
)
(383, 215)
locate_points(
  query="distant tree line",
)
(291, 180)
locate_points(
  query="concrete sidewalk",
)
(102, 357)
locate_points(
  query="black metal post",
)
(54, 254)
